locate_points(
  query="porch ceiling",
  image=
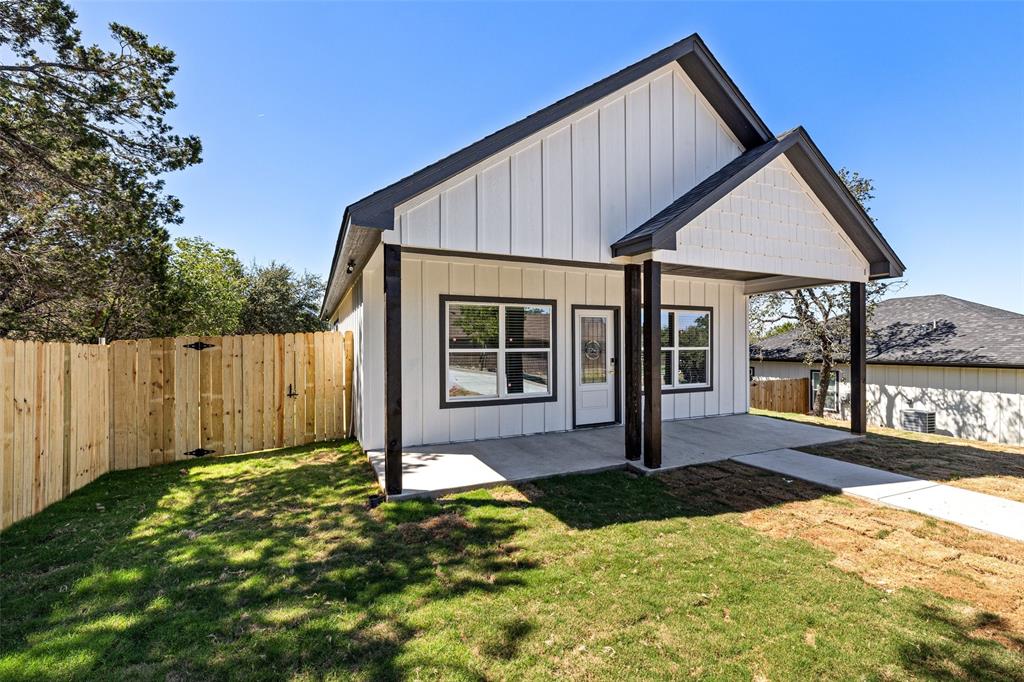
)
(434, 470)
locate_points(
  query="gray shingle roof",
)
(925, 330)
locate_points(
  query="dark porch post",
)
(632, 369)
(858, 358)
(652, 364)
(392, 369)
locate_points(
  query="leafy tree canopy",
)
(207, 288)
(278, 301)
(83, 142)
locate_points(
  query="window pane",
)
(527, 326)
(693, 367)
(694, 329)
(527, 373)
(666, 328)
(472, 375)
(593, 354)
(666, 368)
(472, 326)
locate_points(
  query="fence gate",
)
(188, 396)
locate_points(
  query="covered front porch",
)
(433, 470)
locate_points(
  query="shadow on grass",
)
(271, 565)
(248, 567)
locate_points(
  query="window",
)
(832, 397)
(496, 351)
(685, 349)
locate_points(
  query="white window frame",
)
(674, 358)
(814, 389)
(503, 396)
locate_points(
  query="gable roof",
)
(377, 211)
(659, 232)
(925, 330)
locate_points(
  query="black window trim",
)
(447, 404)
(711, 350)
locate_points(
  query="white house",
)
(961, 360)
(497, 292)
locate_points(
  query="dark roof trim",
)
(660, 231)
(377, 210)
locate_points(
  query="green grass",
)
(271, 566)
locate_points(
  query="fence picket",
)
(71, 412)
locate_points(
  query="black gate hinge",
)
(199, 345)
(199, 452)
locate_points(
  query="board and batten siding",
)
(425, 278)
(571, 190)
(977, 403)
(772, 223)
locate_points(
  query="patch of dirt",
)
(440, 527)
(523, 492)
(886, 547)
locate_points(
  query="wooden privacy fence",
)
(781, 395)
(72, 412)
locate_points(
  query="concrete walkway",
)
(975, 510)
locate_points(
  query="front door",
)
(594, 358)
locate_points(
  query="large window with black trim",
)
(496, 351)
(686, 347)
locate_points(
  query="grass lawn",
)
(990, 468)
(271, 566)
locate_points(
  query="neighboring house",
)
(497, 292)
(962, 360)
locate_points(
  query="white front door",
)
(594, 358)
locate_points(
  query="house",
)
(961, 360)
(498, 291)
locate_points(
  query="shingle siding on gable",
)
(575, 187)
(771, 223)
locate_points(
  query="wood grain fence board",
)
(7, 451)
(155, 410)
(205, 394)
(300, 389)
(349, 372)
(237, 369)
(288, 380)
(279, 392)
(781, 395)
(248, 399)
(267, 379)
(318, 376)
(217, 395)
(227, 396)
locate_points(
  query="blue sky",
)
(304, 108)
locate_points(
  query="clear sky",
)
(305, 108)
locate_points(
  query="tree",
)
(821, 315)
(278, 301)
(207, 289)
(83, 142)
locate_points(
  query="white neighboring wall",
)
(425, 278)
(969, 402)
(772, 223)
(571, 190)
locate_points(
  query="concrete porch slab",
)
(433, 470)
(968, 508)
